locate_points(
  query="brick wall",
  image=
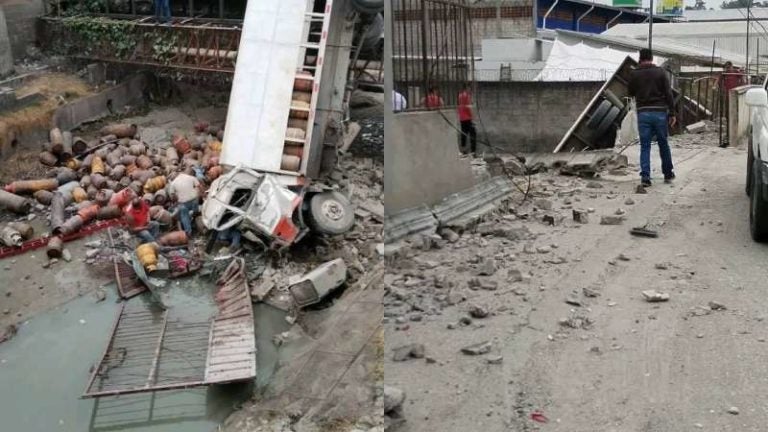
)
(530, 116)
(21, 16)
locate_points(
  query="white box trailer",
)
(287, 101)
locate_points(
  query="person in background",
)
(399, 103)
(433, 99)
(186, 191)
(163, 11)
(465, 118)
(137, 219)
(650, 87)
(731, 78)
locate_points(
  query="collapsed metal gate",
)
(152, 349)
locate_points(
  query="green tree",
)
(736, 4)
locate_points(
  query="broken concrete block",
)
(653, 296)
(543, 204)
(581, 216)
(406, 352)
(697, 127)
(716, 305)
(487, 267)
(393, 398)
(594, 185)
(495, 360)
(611, 220)
(315, 285)
(478, 349)
(477, 311)
(262, 290)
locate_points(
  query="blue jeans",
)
(149, 234)
(650, 124)
(185, 215)
(163, 10)
(232, 235)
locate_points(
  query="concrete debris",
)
(495, 360)
(629, 201)
(733, 410)
(393, 407)
(478, 348)
(573, 300)
(716, 306)
(653, 296)
(487, 267)
(66, 255)
(449, 235)
(100, 295)
(478, 311)
(663, 266)
(698, 127)
(543, 249)
(576, 322)
(644, 232)
(623, 257)
(8, 332)
(620, 212)
(580, 216)
(589, 292)
(406, 352)
(611, 220)
(261, 290)
(594, 185)
(543, 204)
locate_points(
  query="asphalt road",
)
(634, 366)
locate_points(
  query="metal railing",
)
(432, 48)
(193, 47)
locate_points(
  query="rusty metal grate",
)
(152, 349)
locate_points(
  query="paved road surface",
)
(640, 366)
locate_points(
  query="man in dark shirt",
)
(650, 87)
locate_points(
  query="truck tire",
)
(750, 162)
(758, 208)
(607, 121)
(600, 112)
(330, 213)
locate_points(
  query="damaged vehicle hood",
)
(250, 200)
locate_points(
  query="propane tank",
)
(147, 254)
(10, 236)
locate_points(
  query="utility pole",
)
(746, 68)
(650, 27)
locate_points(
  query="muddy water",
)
(45, 368)
(270, 321)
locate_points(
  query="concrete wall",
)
(529, 116)
(421, 161)
(739, 115)
(102, 104)
(21, 17)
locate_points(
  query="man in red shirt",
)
(137, 219)
(432, 100)
(465, 118)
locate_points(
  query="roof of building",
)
(661, 46)
(735, 28)
(724, 14)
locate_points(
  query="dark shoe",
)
(669, 178)
(646, 182)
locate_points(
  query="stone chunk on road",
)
(733, 410)
(581, 216)
(653, 296)
(406, 352)
(478, 349)
(477, 311)
(611, 220)
(497, 359)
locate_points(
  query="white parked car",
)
(757, 163)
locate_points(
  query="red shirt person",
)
(465, 118)
(138, 221)
(433, 99)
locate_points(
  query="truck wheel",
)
(600, 112)
(330, 213)
(607, 121)
(750, 162)
(758, 208)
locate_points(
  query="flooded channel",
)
(46, 367)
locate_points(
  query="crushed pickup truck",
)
(259, 205)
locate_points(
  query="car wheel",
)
(750, 162)
(600, 112)
(330, 213)
(607, 121)
(758, 208)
